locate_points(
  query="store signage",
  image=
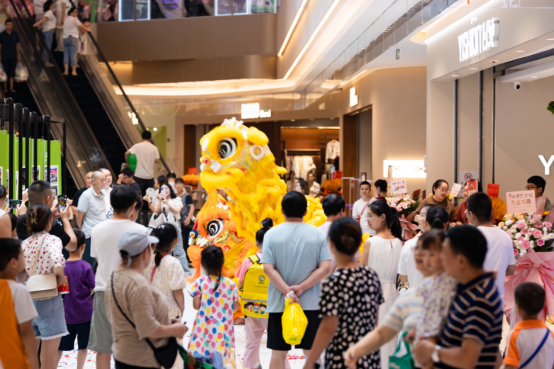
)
(253, 111)
(479, 39)
(521, 202)
(546, 165)
(398, 187)
(405, 168)
(353, 97)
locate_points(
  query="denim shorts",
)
(50, 322)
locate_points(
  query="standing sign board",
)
(493, 190)
(455, 191)
(521, 202)
(399, 187)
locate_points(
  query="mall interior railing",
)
(132, 10)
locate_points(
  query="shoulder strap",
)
(536, 351)
(257, 261)
(125, 315)
(38, 253)
(367, 203)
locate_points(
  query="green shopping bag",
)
(402, 357)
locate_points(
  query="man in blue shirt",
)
(473, 329)
(9, 53)
(296, 258)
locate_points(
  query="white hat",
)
(134, 243)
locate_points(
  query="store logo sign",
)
(252, 111)
(479, 39)
(353, 97)
(546, 164)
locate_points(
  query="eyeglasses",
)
(442, 189)
(530, 187)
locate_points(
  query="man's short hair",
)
(128, 172)
(381, 184)
(530, 297)
(138, 200)
(468, 241)
(8, 21)
(480, 204)
(538, 181)
(96, 173)
(38, 191)
(122, 198)
(294, 204)
(171, 175)
(9, 249)
(81, 237)
(333, 204)
(365, 183)
(146, 135)
(179, 180)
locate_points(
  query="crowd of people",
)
(127, 283)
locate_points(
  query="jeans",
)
(179, 253)
(70, 46)
(50, 322)
(48, 37)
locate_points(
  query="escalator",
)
(98, 120)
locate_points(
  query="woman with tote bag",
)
(44, 260)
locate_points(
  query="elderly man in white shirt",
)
(92, 211)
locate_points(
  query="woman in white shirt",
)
(171, 204)
(48, 29)
(291, 183)
(71, 27)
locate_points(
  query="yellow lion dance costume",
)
(214, 227)
(237, 159)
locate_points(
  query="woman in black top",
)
(349, 302)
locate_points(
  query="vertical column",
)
(11, 167)
(456, 130)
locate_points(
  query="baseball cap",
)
(133, 242)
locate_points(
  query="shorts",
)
(275, 340)
(79, 330)
(9, 66)
(100, 339)
(50, 323)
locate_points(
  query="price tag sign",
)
(520, 202)
(493, 190)
(399, 187)
(455, 191)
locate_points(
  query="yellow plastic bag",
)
(294, 323)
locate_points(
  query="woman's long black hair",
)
(392, 219)
(212, 259)
(267, 223)
(167, 234)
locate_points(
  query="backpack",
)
(254, 290)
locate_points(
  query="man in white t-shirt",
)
(500, 250)
(359, 210)
(147, 155)
(104, 248)
(407, 270)
(91, 211)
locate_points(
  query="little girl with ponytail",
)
(166, 274)
(216, 298)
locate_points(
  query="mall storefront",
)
(489, 82)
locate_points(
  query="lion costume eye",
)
(227, 148)
(214, 227)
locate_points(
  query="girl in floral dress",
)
(215, 297)
(166, 275)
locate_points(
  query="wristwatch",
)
(435, 355)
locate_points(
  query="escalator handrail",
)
(131, 106)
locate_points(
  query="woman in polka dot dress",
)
(215, 297)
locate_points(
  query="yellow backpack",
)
(254, 290)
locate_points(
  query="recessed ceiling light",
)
(550, 39)
(455, 75)
(520, 51)
(473, 68)
(155, 128)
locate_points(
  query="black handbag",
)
(165, 355)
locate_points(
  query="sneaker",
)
(48, 64)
